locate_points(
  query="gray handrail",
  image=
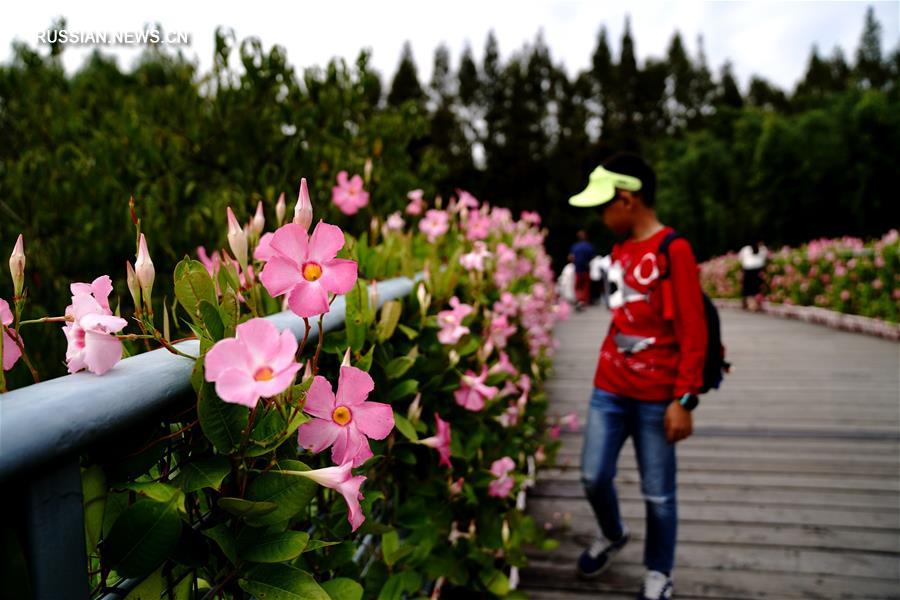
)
(61, 417)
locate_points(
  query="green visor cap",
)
(602, 188)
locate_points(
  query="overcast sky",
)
(772, 39)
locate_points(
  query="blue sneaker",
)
(596, 558)
(657, 586)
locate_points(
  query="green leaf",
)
(212, 319)
(357, 303)
(184, 588)
(365, 363)
(281, 582)
(223, 536)
(316, 544)
(142, 537)
(402, 390)
(157, 491)
(192, 285)
(246, 508)
(405, 427)
(495, 581)
(291, 493)
(397, 584)
(150, 588)
(390, 318)
(469, 345)
(390, 547)
(205, 473)
(408, 331)
(343, 588)
(399, 366)
(93, 487)
(271, 432)
(273, 547)
(221, 422)
(230, 310)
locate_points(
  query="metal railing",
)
(44, 428)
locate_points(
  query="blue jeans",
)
(611, 420)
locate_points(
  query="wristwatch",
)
(689, 401)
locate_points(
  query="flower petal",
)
(347, 444)
(308, 299)
(261, 339)
(354, 386)
(374, 419)
(338, 275)
(225, 354)
(11, 352)
(279, 383)
(325, 242)
(280, 275)
(350, 491)
(101, 351)
(318, 434)
(291, 241)
(6, 316)
(237, 387)
(319, 399)
(263, 250)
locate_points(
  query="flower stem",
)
(46, 320)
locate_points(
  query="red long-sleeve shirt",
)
(656, 343)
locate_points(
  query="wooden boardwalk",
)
(789, 488)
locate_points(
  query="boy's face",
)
(618, 213)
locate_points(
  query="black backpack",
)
(715, 366)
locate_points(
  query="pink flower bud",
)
(133, 286)
(259, 220)
(237, 239)
(143, 269)
(279, 210)
(346, 361)
(303, 211)
(17, 266)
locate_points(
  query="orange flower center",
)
(264, 374)
(341, 415)
(312, 271)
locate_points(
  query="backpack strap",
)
(665, 283)
(663, 251)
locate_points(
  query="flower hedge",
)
(845, 274)
(387, 459)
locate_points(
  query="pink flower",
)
(305, 268)
(466, 200)
(500, 331)
(845, 295)
(212, 263)
(877, 284)
(348, 194)
(555, 430)
(92, 328)
(531, 217)
(457, 486)
(346, 420)
(394, 222)
(570, 421)
(303, 211)
(503, 366)
(510, 416)
(435, 224)
(340, 479)
(473, 392)
(441, 441)
(416, 203)
(257, 362)
(450, 322)
(11, 352)
(478, 226)
(503, 484)
(474, 261)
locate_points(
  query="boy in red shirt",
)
(649, 371)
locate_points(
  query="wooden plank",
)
(737, 494)
(579, 511)
(738, 557)
(714, 583)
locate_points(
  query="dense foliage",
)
(844, 274)
(439, 412)
(734, 165)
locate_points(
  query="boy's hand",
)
(678, 423)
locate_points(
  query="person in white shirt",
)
(599, 266)
(565, 285)
(753, 260)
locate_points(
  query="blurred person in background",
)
(582, 251)
(753, 261)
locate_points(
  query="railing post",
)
(54, 532)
